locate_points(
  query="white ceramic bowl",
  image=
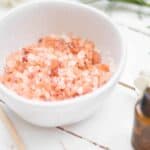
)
(27, 23)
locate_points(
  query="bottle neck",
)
(145, 103)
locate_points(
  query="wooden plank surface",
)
(111, 126)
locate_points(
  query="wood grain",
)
(11, 129)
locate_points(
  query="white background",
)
(112, 124)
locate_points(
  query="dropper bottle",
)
(141, 129)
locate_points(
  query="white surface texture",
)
(64, 18)
(111, 125)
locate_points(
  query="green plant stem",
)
(137, 2)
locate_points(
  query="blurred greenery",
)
(135, 8)
(137, 2)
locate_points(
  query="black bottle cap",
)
(145, 102)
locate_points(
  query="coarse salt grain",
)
(55, 68)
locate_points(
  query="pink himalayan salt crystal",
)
(55, 68)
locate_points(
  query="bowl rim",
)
(69, 101)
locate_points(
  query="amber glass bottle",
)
(141, 129)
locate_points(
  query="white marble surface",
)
(112, 125)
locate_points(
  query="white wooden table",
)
(111, 126)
